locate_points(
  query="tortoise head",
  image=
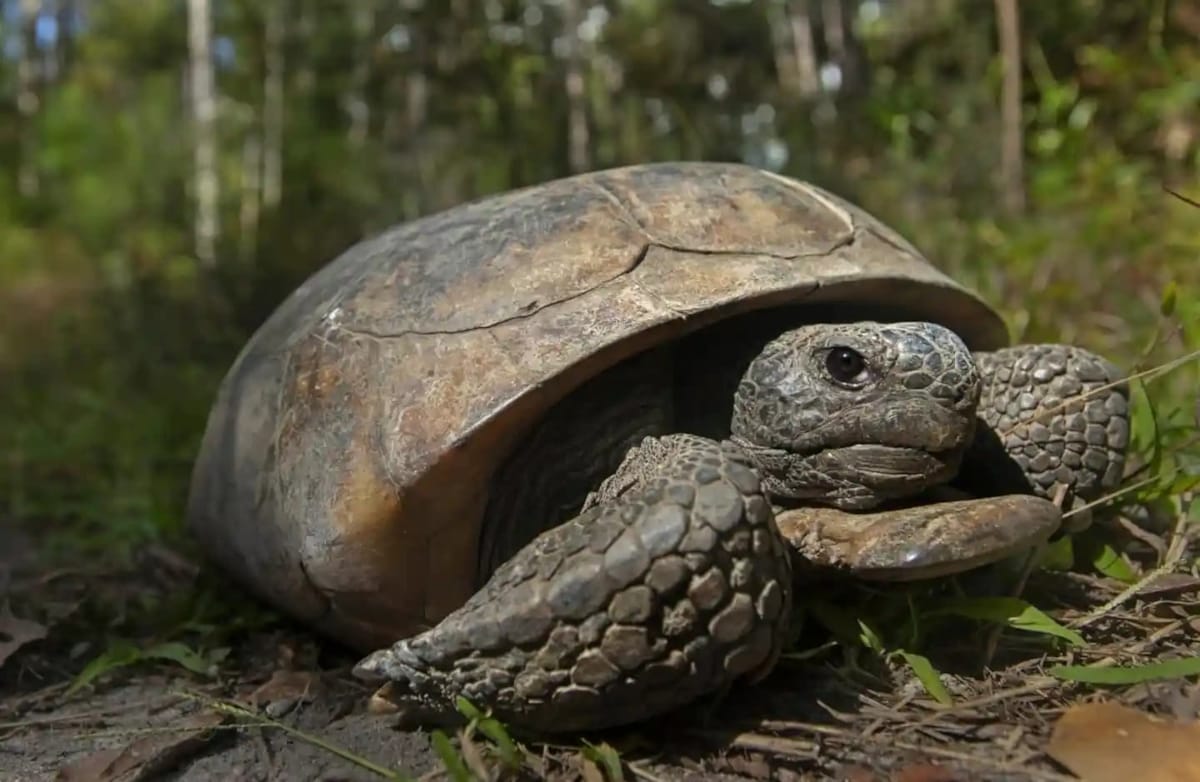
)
(852, 415)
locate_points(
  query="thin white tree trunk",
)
(357, 104)
(578, 135)
(273, 105)
(416, 99)
(1012, 133)
(28, 100)
(64, 44)
(781, 45)
(248, 217)
(844, 47)
(804, 48)
(204, 141)
(835, 28)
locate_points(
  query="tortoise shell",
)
(345, 466)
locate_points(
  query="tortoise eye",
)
(846, 365)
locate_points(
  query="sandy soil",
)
(282, 706)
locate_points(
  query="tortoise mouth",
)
(857, 477)
(885, 464)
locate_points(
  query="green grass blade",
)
(494, 730)
(117, 655)
(467, 709)
(182, 655)
(606, 757)
(1134, 674)
(928, 676)
(1107, 561)
(869, 638)
(455, 766)
(507, 748)
(1010, 611)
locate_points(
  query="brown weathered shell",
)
(346, 461)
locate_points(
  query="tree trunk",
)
(416, 99)
(802, 60)
(65, 43)
(833, 23)
(781, 47)
(1012, 132)
(578, 136)
(273, 105)
(204, 131)
(843, 45)
(248, 216)
(28, 100)
(358, 105)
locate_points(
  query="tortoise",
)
(568, 450)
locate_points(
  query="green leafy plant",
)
(123, 653)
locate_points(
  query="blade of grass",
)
(927, 675)
(456, 767)
(1134, 674)
(241, 713)
(1014, 612)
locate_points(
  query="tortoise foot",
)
(672, 590)
(920, 541)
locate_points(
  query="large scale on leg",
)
(535, 450)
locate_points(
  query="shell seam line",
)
(843, 242)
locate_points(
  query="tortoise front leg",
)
(669, 589)
(1053, 419)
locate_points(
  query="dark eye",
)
(846, 365)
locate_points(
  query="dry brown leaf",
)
(1108, 742)
(97, 766)
(926, 772)
(382, 701)
(145, 758)
(1168, 584)
(589, 771)
(16, 632)
(856, 772)
(286, 686)
(473, 756)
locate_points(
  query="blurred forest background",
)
(173, 168)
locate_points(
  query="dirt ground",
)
(282, 705)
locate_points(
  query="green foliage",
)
(606, 757)
(923, 669)
(400, 109)
(122, 653)
(897, 625)
(192, 629)
(1177, 668)
(1107, 560)
(451, 759)
(1009, 611)
(476, 764)
(494, 730)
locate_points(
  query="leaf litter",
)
(816, 718)
(1109, 742)
(16, 632)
